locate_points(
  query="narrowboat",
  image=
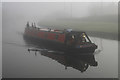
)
(64, 40)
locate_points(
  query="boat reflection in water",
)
(80, 61)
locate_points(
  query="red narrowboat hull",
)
(52, 45)
(58, 40)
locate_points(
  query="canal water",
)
(19, 62)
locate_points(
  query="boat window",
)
(73, 36)
(56, 36)
(45, 35)
(84, 38)
(71, 39)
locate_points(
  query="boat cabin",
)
(67, 37)
(76, 38)
(73, 41)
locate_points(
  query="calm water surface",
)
(18, 62)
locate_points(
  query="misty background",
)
(101, 17)
(0, 39)
(99, 20)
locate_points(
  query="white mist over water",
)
(1, 39)
(79, 16)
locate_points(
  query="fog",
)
(78, 16)
(0, 39)
(99, 20)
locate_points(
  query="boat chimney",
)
(34, 24)
(27, 24)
